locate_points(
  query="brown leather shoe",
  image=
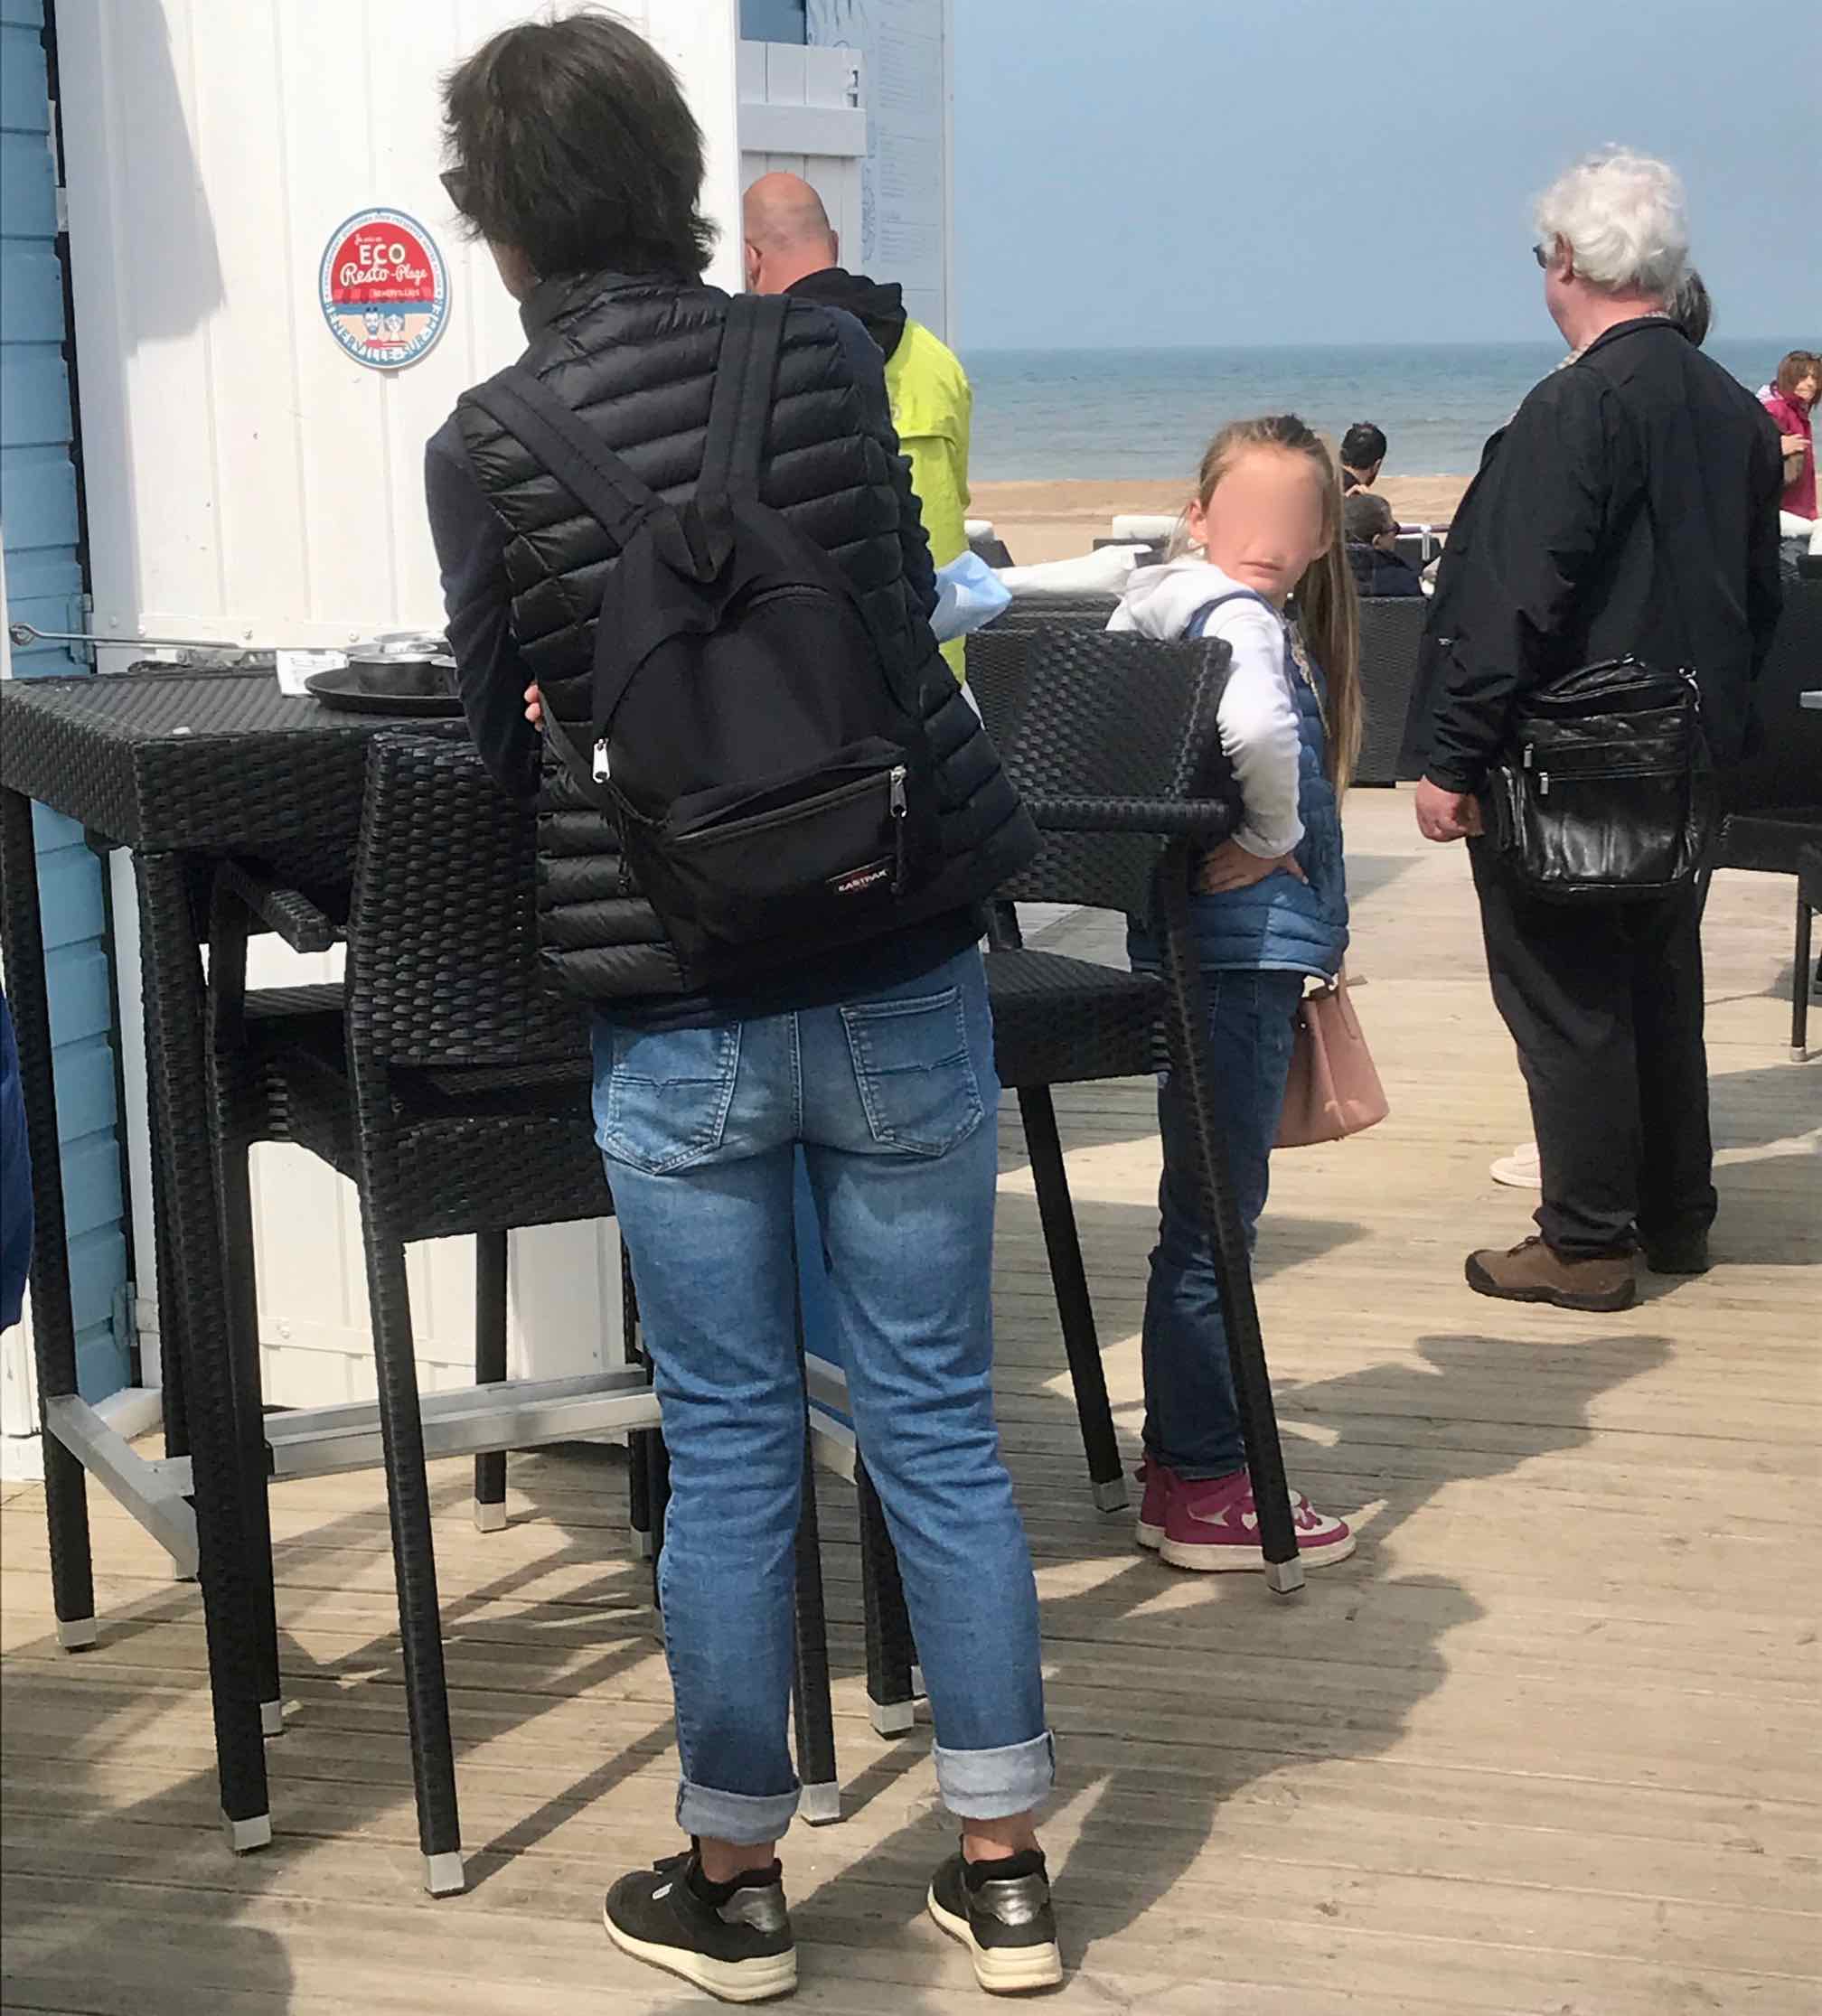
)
(1534, 1272)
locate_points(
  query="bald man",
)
(791, 248)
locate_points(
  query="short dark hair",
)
(1362, 445)
(571, 141)
(1692, 308)
(1365, 515)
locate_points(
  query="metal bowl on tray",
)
(400, 671)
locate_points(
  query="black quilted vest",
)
(637, 359)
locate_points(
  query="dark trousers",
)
(1605, 1005)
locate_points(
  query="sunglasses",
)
(455, 182)
(1537, 251)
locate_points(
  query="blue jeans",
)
(1192, 1423)
(893, 1099)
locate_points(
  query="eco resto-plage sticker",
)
(384, 289)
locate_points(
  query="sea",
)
(1125, 414)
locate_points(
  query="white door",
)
(248, 480)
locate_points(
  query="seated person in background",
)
(1363, 450)
(1372, 530)
(791, 248)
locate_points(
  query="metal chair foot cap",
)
(1111, 1496)
(1284, 1577)
(489, 1518)
(77, 1634)
(893, 1717)
(245, 1835)
(271, 1718)
(444, 1875)
(820, 1803)
(919, 1692)
(1798, 1056)
(642, 1546)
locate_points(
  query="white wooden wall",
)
(801, 114)
(248, 480)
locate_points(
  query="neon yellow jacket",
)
(932, 407)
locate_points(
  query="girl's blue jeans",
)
(1192, 1424)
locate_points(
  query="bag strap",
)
(568, 448)
(740, 412)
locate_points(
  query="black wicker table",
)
(180, 767)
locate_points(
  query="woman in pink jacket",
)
(1790, 402)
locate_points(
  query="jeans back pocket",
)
(662, 1096)
(916, 1078)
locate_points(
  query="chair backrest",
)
(1077, 611)
(1787, 769)
(443, 965)
(1391, 633)
(1111, 718)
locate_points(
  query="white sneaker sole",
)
(729, 1981)
(1222, 1560)
(1148, 1536)
(1017, 1971)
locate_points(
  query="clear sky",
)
(1167, 172)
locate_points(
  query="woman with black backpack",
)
(768, 818)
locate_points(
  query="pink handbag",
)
(1333, 1090)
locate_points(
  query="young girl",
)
(1262, 567)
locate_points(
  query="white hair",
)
(1622, 215)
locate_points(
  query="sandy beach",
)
(1052, 520)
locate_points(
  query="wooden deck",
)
(1549, 1743)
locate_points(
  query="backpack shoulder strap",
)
(566, 446)
(740, 413)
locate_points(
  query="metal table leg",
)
(53, 1325)
(171, 973)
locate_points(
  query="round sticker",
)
(385, 294)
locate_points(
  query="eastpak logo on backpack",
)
(756, 743)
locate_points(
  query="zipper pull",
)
(1542, 784)
(896, 802)
(1530, 753)
(601, 772)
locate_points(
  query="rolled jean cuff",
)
(994, 1784)
(745, 1818)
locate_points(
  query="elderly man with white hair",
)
(1629, 509)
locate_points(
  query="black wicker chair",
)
(1391, 630)
(1112, 740)
(452, 1087)
(1113, 743)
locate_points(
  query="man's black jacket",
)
(1630, 506)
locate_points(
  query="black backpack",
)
(759, 747)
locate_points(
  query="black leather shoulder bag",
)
(1607, 793)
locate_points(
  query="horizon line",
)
(1383, 343)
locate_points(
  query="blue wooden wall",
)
(38, 529)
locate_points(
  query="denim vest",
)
(1282, 924)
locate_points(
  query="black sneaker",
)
(732, 1939)
(1001, 1911)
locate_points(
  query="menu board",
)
(904, 195)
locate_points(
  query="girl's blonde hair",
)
(1327, 602)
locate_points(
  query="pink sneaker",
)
(1215, 1526)
(1159, 1484)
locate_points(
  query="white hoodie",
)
(1257, 720)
